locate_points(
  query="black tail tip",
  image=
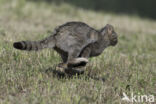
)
(17, 45)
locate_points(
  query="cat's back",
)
(74, 34)
(73, 28)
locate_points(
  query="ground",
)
(26, 77)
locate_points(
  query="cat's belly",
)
(94, 53)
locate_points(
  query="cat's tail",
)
(48, 42)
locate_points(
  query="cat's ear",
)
(109, 29)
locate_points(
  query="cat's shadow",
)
(71, 73)
(67, 73)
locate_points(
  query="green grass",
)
(128, 67)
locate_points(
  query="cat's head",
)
(109, 32)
